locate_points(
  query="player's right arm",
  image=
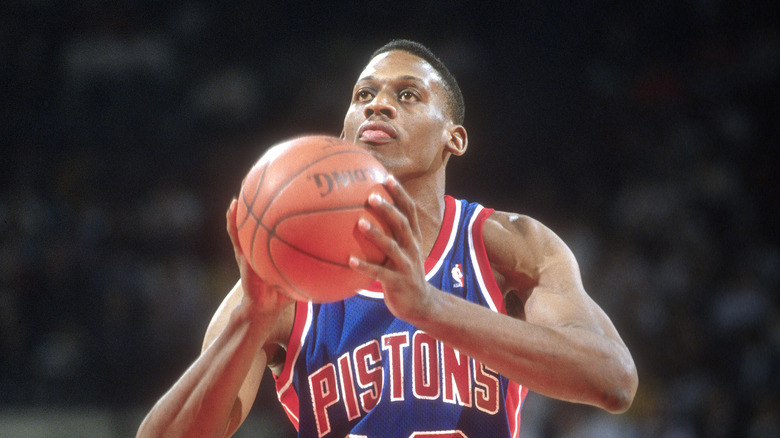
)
(214, 396)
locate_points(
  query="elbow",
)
(620, 396)
(618, 402)
(150, 429)
(146, 431)
(154, 425)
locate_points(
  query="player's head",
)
(402, 111)
(455, 103)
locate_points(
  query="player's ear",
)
(343, 135)
(458, 140)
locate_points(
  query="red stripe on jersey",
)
(284, 388)
(516, 393)
(446, 234)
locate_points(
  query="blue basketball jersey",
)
(355, 370)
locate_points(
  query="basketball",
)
(297, 216)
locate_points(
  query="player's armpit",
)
(530, 261)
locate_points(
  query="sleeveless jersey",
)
(355, 370)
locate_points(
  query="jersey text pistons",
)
(355, 382)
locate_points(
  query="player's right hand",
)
(266, 300)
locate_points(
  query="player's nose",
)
(381, 105)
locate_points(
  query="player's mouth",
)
(376, 132)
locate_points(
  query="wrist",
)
(252, 312)
(424, 309)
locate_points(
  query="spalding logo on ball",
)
(298, 212)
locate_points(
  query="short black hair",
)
(455, 104)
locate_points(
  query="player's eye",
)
(407, 95)
(363, 95)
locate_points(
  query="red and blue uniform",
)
(355, 370)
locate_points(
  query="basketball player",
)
(473, 309)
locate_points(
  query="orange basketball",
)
(298, 212)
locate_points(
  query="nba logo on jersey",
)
(457, 275)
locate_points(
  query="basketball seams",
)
(250, 212)
(250, 205)
(296, 174)
(274, 235)
(258, 187)
(304, 213)
(317, 258)
(284, 195)
(272, 230)
(319, 210)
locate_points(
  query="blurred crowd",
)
(642, 134)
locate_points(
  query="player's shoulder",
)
(503, 225)
(512, 236)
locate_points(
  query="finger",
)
(232, 229)
(402, 199)
(395, 219)
(251, 281)
(376, 235)
(368, 269)
(230, 218)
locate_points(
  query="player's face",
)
(398, 111)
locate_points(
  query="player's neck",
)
(428, 196)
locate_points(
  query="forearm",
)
(567, 363)
(201, 402)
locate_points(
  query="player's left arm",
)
(580, 356)
(563, 346)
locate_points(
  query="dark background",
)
(644, 133)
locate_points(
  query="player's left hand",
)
(403, 274)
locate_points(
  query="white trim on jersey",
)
(477, 268)
(454, 221)
(304, 333)
(450, 242)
